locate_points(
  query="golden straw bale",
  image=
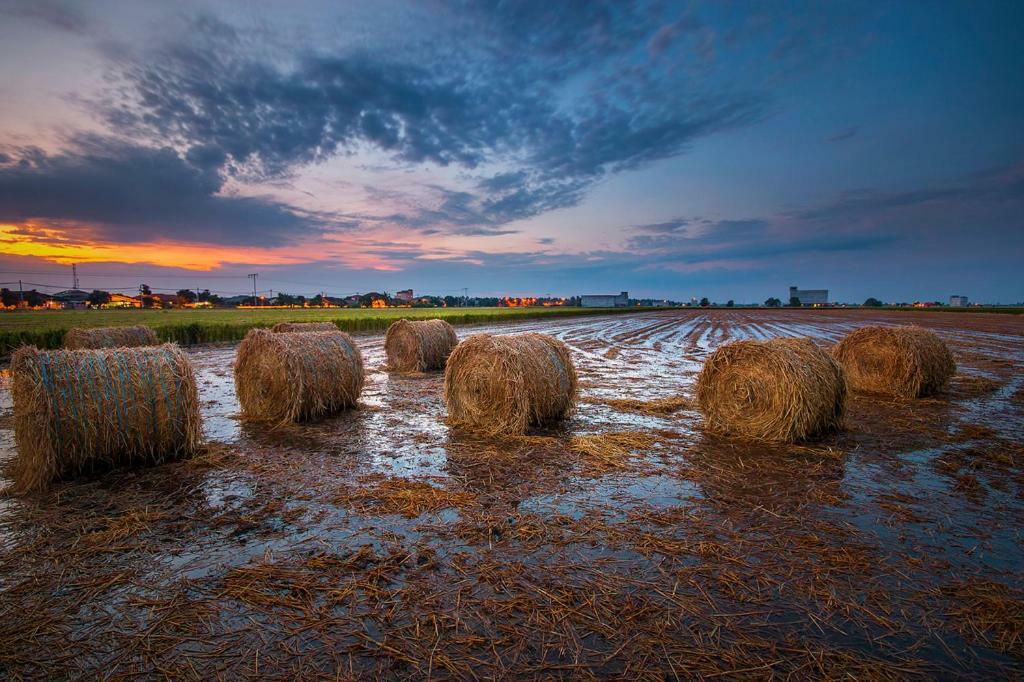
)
(304, 327)
(110, 337)
(297, 376)
(503, 384)
(419, 346)
(778, 390)
(905, 362)
(87, 410)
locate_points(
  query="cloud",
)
(255, 119)
(128, 193)
(61, 15)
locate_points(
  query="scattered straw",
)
(657, 407)
(400, 496)
(611, 450)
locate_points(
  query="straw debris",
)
(611, 450)
(903, 362)
(783, 390)
(297, 376)
(419, 346)
(76, 412)
(658, 407)
(110, 337)
(503, 384)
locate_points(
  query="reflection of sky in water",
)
(400, 431)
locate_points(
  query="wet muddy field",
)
(623, 542)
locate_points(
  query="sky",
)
(669, 149)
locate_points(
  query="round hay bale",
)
(503, 384)
(778, 390)
(304, 327)
(297, 376)
(905, 362)
(110, 337)
(88, 410)
(419, 346)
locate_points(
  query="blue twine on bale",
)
(52, 392)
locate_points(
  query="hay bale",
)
(281, 327)
(502, 384)
(87, 410)
(419, 346)
(778, 390)
(905, 362)
(110, 337)
(297, 376)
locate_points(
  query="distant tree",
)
(146, 294)
(8, 297)
(286, 299)
(317, 300)
(773, 302)
(872, 303)
(186, 296)
(704, 302)
(98, 298)
(794, 302)
(729, 303)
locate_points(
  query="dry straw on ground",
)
(419, 346)
(503, 384)
(905, 362)
(297, 376)
(304, 327)
(110, 337)
(779, 390)
(82, 411)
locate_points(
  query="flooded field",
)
(623, 542)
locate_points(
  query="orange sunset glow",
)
(59, 247)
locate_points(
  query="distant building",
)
(605, 300)
(71, 299)
(958, 302)
(810, 297)
(405, 296)
(122, 301)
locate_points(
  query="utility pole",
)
(21, 294)
(254, 276)
(74, 275)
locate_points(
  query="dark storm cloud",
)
(130, 193)
(259, 120)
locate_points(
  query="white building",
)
(605, 300)
(809, 296)
(958, 302)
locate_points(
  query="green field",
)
(45, 329)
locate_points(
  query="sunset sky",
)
(726, 149)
